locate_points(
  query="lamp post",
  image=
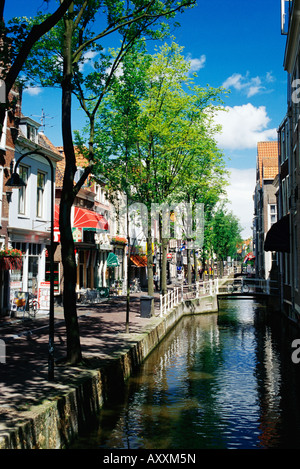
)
(16, 181)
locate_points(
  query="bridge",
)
(240, 287)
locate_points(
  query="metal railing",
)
(250, 285)
(187, 292)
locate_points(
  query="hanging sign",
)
(77, 235)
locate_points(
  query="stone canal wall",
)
(57, 422)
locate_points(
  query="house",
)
(97, 232)
(265, 205)
(283, 237)
(26, 214)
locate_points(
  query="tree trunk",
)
(67, 198)
(189, 267)
(150, 260)
(164, 250)
(196, 267)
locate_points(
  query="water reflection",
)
(217, 381)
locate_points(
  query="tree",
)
(226, 233)
(13, 58)
(57, 60)
(151, 128)
(206, 183)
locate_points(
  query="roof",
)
(45, 142)
(267, 160)
(81, 162)
(267, 149)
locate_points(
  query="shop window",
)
(56, 276)
(88, 236)
(33, 268)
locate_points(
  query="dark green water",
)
(218, 381)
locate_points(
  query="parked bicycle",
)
(238, 286)
(33, 305)
(135, 286)
(25, 302)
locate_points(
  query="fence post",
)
(161, 305)
(210, 287)
(2, 351)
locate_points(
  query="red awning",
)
(88, 219)
(83, 218)
(139, 261)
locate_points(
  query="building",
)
(265, 205)
(98, 232)
(283, 237)
(26, 214)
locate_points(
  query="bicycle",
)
(33, 306)
(135, 286)
(238, 286)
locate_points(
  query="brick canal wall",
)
(56, 423)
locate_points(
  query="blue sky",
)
(233, 43)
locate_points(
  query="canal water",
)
(218, 381)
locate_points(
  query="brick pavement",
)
(23, 378)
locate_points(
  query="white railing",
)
(170, 300)
(187, 292)
(250, 285)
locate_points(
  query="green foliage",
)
(226, 233)
(91, 21)
(155, 128)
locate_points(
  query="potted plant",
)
(10, 259)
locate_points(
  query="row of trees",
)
(149, 130)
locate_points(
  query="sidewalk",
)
(23, 377)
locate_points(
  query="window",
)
(31, 133)
(40, 194)
(273, 214)
(23, 171)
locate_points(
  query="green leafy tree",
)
(13, 58)
(57, 59)
(226, 233)
(151, 129)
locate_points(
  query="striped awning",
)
(89, 220)
(139, 261)
(82, 219)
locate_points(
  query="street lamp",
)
(16, 181)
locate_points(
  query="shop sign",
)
(77, 235)
(56, 235)
(44, 295)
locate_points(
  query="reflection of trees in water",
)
(216, 381)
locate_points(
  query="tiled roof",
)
(267, 160)
(45, 142)
(81, 162)
(268, 149)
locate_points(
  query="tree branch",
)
(34, 35)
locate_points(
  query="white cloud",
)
(33, 90)
(247, 85)
(87, 57)
(240, 192)
(243, 126)
(196, 64)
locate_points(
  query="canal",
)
(218, 381)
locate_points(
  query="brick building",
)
(25, 211)
(283, 237)
(265, 205)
